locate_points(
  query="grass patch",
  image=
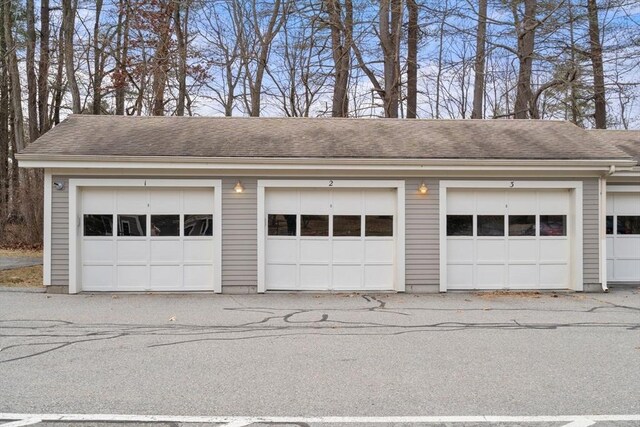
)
(20, 252)
(29, 277)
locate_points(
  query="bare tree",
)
(69, 8)
(341, 43)
(43, 67)
(479, 78)
(412, 59)
(600, 114)
(32, 83)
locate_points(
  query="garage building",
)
(242, 205)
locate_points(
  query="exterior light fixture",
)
(239, 187)
(423, 188)
(59, 185)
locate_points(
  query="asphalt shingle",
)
(217, 137)
(626, 140)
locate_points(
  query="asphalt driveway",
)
(321, 355)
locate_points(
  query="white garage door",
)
(508, 239)
(623, 237)
(147, 239)
(338, 239)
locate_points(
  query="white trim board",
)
(399, 185)
(576, 205)
(46, 243)
(623, 188)
(76, 185)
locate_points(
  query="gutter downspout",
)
(603, 227)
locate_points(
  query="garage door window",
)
(553, 225)
(165, 225)
(628, 225)
(282, 225)
(609, 224)
(490, 225)
(132, 225)
(459, 225)
(522, 225)
(314, 225)
(347, 225)
(378, 226)
(198, 225)
(98, 225)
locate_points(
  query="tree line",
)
(480, 59)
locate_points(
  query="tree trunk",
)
(4, 125)
(122, 47)
(98, 70)
(161, 60)
(390, 32)
(412, 60)
(600, 114)
(32, 83)
(341, 41)
(182, 37)
(479, 77)
(58, 87)
(68, 22)
(43, 67)
(526, 31)
(14, 77)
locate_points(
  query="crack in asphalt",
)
(273, 325)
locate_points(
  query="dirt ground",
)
(22, 276)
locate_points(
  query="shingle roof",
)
(320, 138)
(626, 140)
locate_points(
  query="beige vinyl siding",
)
(591, 225)
(239, 234)
(422, 238)
(60, 233)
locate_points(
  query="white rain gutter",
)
(603, 227)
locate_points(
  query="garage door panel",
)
(523, 250)
(97, 201)
(198, 277)
(98, 251)
(522, 202)
(461, 202)
(97, 277)
(164, 201)
(378, 251)
(315, 202)
(554, 250)
(460, 250)
(198, 201)
(627, 204)
(282, 202)
(627, 247)
(344, 203)
(166, 251)
(314, 277)
(281, 276)
(554, 276)
(488, 202)
(491, 250)
(315, 250)
(132, 201)
(523, 276)
(346, 251)
(198, 250)
(165, 277)
(460, 276)
(554, 203)
(380, 202)
(610, 242)
(282, 250)
(491, 275)
(347, 277)
(132, 250)
(627, 269)
(132, 277)
(378, 276)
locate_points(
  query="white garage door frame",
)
(576, 280)
(76, 186)
(398, 185)
(615, 189)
